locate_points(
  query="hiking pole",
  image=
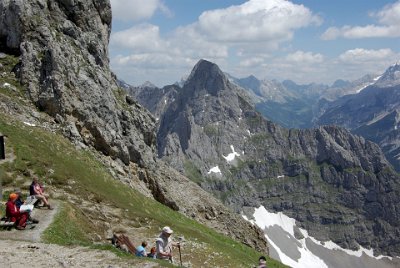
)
(180, 255)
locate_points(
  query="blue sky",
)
(302, 40)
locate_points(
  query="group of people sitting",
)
(162, 250)
(19, 214)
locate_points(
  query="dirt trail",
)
(23, 248)
(15, 254)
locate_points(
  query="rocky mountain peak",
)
(252, 83)
(63, 65)
(206, 76)
(391, 77)
(340, 83)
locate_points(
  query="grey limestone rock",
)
(63, 50)
(337, 185)
(63, 47)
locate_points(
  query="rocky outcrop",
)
(63, 46)
(372, 113)
(337, 185)
(64, 65)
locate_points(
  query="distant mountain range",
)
(336, 185)
(372, 113)
(368, 106)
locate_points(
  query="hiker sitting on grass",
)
(37, 191)
(19, 202)
(141, 250)
(13, 213)
(153, 252)
(164, 244)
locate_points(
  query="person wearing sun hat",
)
(13, 213)
(164, 244)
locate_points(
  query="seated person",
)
(37, 191)
(13, 213)
(19, 202)
(153, 252)
(141, 250)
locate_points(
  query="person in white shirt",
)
(164, 244)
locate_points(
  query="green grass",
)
(68, 228)
(58, 163)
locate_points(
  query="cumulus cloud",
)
(134, 10)
(256, 21)
(388, 26)
(305, 57)
(139, 38)
(245, 32)
(360, 55)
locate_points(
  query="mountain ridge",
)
(323, 176)
(63, 67)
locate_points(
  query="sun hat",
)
(13, 196)
(167, 230)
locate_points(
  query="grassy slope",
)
(39, 151)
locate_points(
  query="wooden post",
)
(2, 148)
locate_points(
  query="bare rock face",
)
(337, 185)
(64, 64)
(63, 49)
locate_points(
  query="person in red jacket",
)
(12, 212)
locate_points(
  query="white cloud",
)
(362, 56)
(256, 21)
(134, 10)
(243, 33)
(251, 62)
(389, 26)
(305, 57)
(142, 37)
(389, 15)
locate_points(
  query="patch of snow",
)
(215, 170)
(165, 101)
(157, 119)
(265, 219)
(29, 124)
(230, 157)
(377, 78)
(247, 219)
(360, 89)
(6, 85)
(280, 176)
(331, 245)
(395, 127)
(248, 131)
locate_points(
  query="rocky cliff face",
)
(337, 185)
(63, 51)
(372, 113)
(63, 47)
